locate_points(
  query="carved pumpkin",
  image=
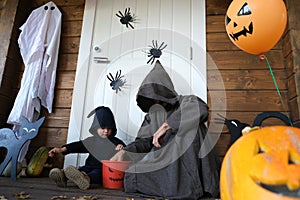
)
(264, 164)
(255, 26)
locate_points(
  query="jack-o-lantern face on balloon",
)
(264, 164)
(255, 26)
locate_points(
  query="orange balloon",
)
(255, 26)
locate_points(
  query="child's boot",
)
(81, 179)
(58, 176)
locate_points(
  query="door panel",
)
(179, 24)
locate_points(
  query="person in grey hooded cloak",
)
(169, 158)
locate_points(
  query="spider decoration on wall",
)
(116, 82)
(126, 18)
(155, 51)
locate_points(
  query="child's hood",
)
(103, 118)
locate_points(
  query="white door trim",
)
(80, 84)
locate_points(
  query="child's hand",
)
(52, 152)
(119, 147)
(56, 150)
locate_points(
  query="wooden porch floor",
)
(43, 188)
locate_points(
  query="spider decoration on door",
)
(116, 82)
(155, 51)
(126, 18)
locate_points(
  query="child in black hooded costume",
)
(101, 146)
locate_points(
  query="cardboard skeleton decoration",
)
(255, 26)
(263, 164)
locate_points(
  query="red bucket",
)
(113, 173)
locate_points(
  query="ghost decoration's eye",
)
(245, 10)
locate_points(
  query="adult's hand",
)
(159, 133)
(118, 156)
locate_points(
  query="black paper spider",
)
(126, 18)
(155, 51)
(116, 82)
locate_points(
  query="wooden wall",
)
(248, 83)
(10, 58)
(247, 80)
(291, 53)
(55, 128)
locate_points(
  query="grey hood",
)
(157, 85)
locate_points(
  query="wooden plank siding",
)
(291, 53)
(248, 84)
(247, 80)
(10, 58)
(55, 129)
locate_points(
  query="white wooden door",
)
(108, 46)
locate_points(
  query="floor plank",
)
(43, 188)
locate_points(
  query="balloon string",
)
(274, 79)
(276, 85)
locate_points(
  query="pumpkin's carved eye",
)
(227, 20)
(292, 161)
(261, 150)
(245, 10)
(110, 170)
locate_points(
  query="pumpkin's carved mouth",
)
(116, 179)
(281, 190)
(244, 32)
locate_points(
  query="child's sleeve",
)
(117, 141)
(75, 147)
